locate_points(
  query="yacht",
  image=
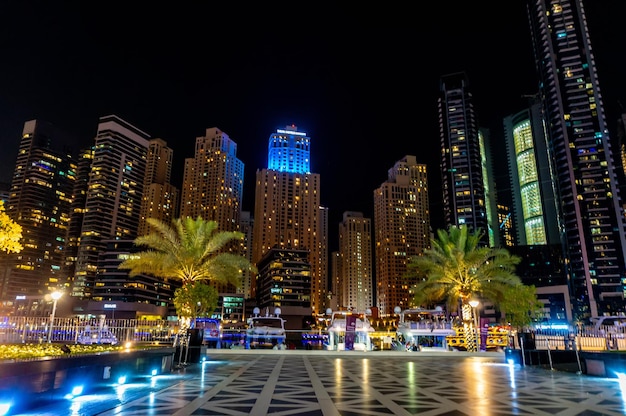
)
(420, 329)
(349, 331)
(265, 331)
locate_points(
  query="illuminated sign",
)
(110, 306)
(295, 133)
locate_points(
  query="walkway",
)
(348, 383)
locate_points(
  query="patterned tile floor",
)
(348, 383)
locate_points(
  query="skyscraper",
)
(213, 188)
(581, 157)
(213, 181)
(464, 200)
(355, 257)
(39, 201)
(287, 211)
(247, 225)
(401, 231)
(160, 197)
(77, 211)
(533, 194)
(113, 198)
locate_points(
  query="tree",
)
(520, 305)
(191, 251)
(196, 299)
(10, 233)
(456, 269)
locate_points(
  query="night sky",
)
(362, 83)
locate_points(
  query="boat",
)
(265, 331)
(212, 330)
(424, 329)
(349, 331)
(91, 336)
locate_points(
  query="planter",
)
(25, 381)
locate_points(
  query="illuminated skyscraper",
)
(591, 214)
(114, 194)
(534, 206)
(464, 200)
(287, 211)
(39, 201)
(401, 231)
(355, 257)
(213, 181)
(77, 210)
(160, 197)
(213, 188)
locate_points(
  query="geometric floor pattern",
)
(347, 383)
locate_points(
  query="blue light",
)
(76, 391)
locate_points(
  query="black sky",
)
(362, 82)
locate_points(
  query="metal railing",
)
(583, 338)
(70, 330)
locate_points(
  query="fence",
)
(75, 330)
(583, 338)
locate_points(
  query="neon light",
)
(295, 133)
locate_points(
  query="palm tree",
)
(10, 233)
(191, 251)
(456, 269)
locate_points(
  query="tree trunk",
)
(468, 328)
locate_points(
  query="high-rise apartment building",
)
(533, 195)
(489, 186)
(464, 200)
(160, 197)
(77, 211)
(287, 211)
(39, 201)
(581, 157)
(401, 231)
(246, 227)
(213, 188)
(213, 181)
(355, 255)
(114, 196)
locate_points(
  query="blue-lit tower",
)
(288, 216)
(289, 150)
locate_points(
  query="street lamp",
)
(474, 304)
(56, 295)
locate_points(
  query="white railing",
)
(583, 338)
(68, 330)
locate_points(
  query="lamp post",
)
(474, 304)
(56, 295)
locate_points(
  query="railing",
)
(584, 338)
(68, 330)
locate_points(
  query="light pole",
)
(56, 295)
(474, 304)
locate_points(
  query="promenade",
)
(350, 383)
